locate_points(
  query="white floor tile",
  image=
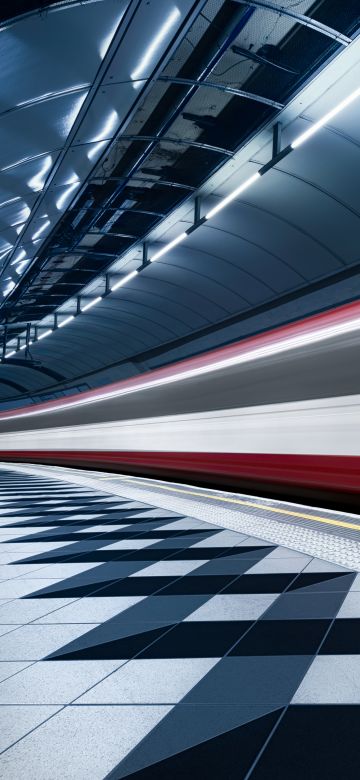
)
(131, 544)
(317, 566)
(54, 682)
(234, 606)
(147, 681)
(350, 607)
(219, 539)
(168, 569)
(18, 588)
(33, 642)
(8, 668)
(22, 611)
(97, 609)
(100, 529)
(277, 566)
(87, 742)
(18, 721)
(331, 679)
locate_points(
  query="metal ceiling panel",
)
(47, 127)
(295, 228)
(39, 55)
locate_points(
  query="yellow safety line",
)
(277, 510)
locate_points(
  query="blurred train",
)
(277, 413)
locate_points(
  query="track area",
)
(141, 639)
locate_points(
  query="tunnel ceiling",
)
(120, 121)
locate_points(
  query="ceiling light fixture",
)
(10, 353)
(45, 334)
(168, 247)
(91, 303)
(149, 55)
(325, 119)
(282, 345)
(124, 280)
(233, 195)
(65, 322)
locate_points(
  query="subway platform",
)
(152, 631)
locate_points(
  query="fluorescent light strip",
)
(92, 303)
(325, 119)
(65, 322)
(168, 246)
(252, 353)
(124, 280)
(223, 203)
(11, 353)
(229, 198)
(43, 335)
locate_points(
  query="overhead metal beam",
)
(307, 21)
(180, 141)
(145, 180)
(225, 88)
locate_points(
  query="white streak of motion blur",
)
(149, 55)
(325, 119)
(250, 353)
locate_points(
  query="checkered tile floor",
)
(135, 642)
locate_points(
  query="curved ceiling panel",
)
(200, 116)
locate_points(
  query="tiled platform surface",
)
(140, 642)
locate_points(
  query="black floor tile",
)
(136, 586)
(195, 585)
(343, 637)
(278, 637)
(225, 757)
(318, 742)
(332, 581)
(205, 639)
(260, 583)
(125, 647)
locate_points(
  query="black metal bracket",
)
(276, 140)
